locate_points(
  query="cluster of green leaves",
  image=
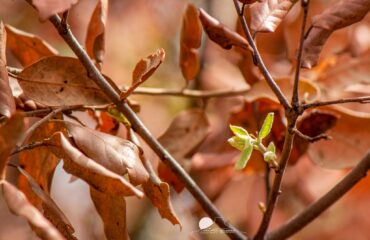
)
(246, 143)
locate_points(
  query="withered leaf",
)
(19, 205)
(26, 47)
(221, 35)
(313, 124)
(112, 210)
(184, 135)
(144, 69)
(56, 81)
(10, 133)
(190, 40)
(51, 211)
(349, 143)
(95, 39)
(99, 177)
(338, 15)
(159, 195)
(267, 15)
(191, 31)
(116, 154)
(7, 105)
(47, 8)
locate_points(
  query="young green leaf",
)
(246, 155)
(269, 156)
(266, 127)
(271, 147)
(238, 143)
(239, 131)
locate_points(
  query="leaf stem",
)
(339, 101)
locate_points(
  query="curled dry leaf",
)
(95, 39)
(56, 81)
(221, 35)
(267, 15)
(47, 8)
(116, 154)
(144, 69)
(19, 205)
(26, 47)
(313, 124)
(7, 105)
(339, 15)
(50, 210)
(10, 134)
(349, 143)
(112, 210)
(159, 195)
(185, 134)
(190, 40)
(99, 177)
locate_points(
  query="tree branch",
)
(314, 210)
(138, 126)
(339, 101)
(295, 96)
(257, 57)
(275, 191)
(311, 139)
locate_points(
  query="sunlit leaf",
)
(26, 47)
(244, 158)
(239, 131)
(266, 126)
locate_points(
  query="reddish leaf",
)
(116, 154)
(191, 36)
(339, 15)
(7, 105)
(99, 177)
(222, 35)
(26, 47)
(112, 210)
(50, 210)
(159, 195)
(10, 134)
(95, 39)
(266, 16)
(56, 81)
(144, 69)
(19, 205)
(186, 132)
(47, 8)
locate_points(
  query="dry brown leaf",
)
(56, 81)
(339, 15)
(349, 143)
(184, 135)
(99, 177)
(191, 31)
(112, 210)
(159, 195)
(10, 133)
(47, 8)
(221, 35)
(7, 105)
(19, 205)
(116, 154)
(249, 1)
(266, 16)
(26, 47)
(95, 39)
(50, 210)
(190, 40)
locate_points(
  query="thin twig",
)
(270, 81)
(189, 92)
(321, 136)
(339, 101)
(139, 127)
(45, 142)
(295, 96)
(267, 180)
(314, 210)
(275, 191)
